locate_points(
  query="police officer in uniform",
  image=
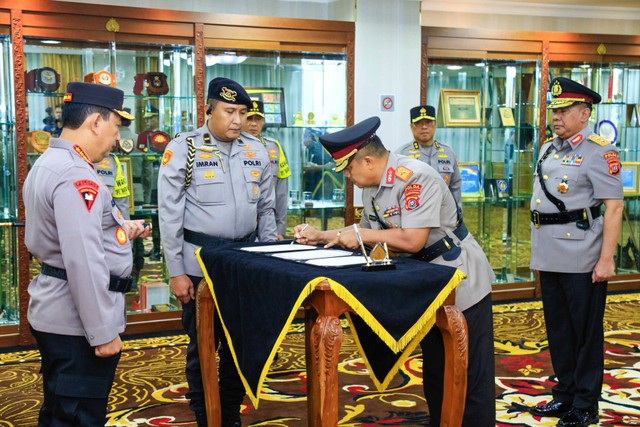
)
(215, 186)
(408, 206)
(572, 246)
(425, 148)
(73, 226)
(110, 170)
(279, 164)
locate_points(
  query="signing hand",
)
(307, 235)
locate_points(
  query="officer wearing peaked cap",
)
(426, 148)
(215, 186)
(572, 246)
(408, 206)
(77, 306)
(279, 165)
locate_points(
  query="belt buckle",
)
(535, 218)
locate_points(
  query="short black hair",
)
(74, 114)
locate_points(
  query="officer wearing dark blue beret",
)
(572, 247)
(77, 302)
(409, 206)
(214, 186)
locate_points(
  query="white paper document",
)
(278, 248)
(318, 253)
(342, 261)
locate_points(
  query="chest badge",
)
(563, 187)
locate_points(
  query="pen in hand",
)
(300, 232)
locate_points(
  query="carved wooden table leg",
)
(323, 336)
(453, 326)
(205, 312)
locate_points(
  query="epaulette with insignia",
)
(549, 139)
(599, 140)
(184, 135)
(249, 136)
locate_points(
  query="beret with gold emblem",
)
(344, 144)
(96, 94)
(256, 108)
(422, 112)
(229, 91)
(566, 92)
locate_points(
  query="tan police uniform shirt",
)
(581, 171)
(440, 157)
(73, 224)
(413, 195)
(231, 193)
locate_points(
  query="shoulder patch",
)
(88, 190)
(599, 140)
(404, 173)
(549, 139)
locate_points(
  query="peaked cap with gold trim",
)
(95, 94)
(256, 109)
(344, 144)
(422, 112)
(566, 92)
(229, 91)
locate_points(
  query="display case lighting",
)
(50, 41)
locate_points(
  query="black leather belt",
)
(201, 239)
(116, 284)
(578, 215)
(442, 246)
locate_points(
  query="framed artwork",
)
(460, 108)
(125, 164)
(472, 186)
(506, 116)
(630, 173)
(273, 99)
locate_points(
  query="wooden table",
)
(323, 337)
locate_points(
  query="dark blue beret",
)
(566, 92)
(346, 143)
(256, 108)
(96, 94)
(422, 112)
(229, 91)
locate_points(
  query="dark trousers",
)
(231, 388)
(76, 383)
(573, 314)
(480, 406)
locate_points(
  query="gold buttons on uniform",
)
(556, 156)
(538, 201)
(568, 234)
(377, 207)
(546, 177)
(565, 177)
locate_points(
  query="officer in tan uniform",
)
(279, 164)
(572, 246)
(425, 148)
(215, 186)
(409, 206)
(77, 307)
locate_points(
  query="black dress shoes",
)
(579, 417)
(551, 409)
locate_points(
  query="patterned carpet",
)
(150, 387)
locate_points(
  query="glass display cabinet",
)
(158, 83)
(305, 97)
(487, 112)
(616, 119)
(8, 189)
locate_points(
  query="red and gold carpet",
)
(149, 389)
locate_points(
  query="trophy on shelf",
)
(297, 119)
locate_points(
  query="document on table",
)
(278, 248)
(318, 253)
(342, 261)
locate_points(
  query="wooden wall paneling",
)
(349, 213)
(199, 73)
(591, 49)
(490, 45)
(275, 34)
(5, 18)
(424, 71)
(17, 43)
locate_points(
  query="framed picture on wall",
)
(459, 108)
(273, 99)
(506, 116)
(472, 186)
(630, 174)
